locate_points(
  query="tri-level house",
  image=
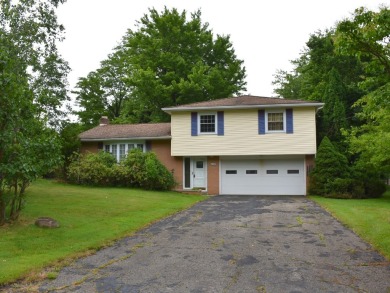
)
(240, 145)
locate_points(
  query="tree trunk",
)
(2, 209)
(21, 194)
(13, 212)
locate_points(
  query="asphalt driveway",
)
(234, 244)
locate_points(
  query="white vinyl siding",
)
(241, 136)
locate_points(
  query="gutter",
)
(185, 109)
(126, 138)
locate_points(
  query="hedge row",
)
(138, 169)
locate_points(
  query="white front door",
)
(199, 173)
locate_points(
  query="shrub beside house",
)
(333, 177)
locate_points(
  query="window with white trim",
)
(120, 150)
(113, 151)
(207, 123)
(276, 121)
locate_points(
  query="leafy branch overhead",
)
(170, 59)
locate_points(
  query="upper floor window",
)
(207, 123)
(275, 121)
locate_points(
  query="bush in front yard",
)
(146, 171)
(137, 170)
(91, 169)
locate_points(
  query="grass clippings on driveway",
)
(89, 217)
(369, 218)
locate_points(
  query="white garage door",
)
(263, 177)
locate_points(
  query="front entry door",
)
(199, 173)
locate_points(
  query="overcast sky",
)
(265, 34)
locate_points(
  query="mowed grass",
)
(369, 218)
(89, 217)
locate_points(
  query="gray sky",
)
(265, 34)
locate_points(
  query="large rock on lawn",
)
(46, 222)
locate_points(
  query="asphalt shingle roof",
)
(245, 100)
(121, 131)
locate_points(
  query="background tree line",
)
(347, 68)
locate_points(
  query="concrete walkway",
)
(234, 244)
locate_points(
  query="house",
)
(239, 145)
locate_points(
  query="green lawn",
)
(90, 217)
(369, 218)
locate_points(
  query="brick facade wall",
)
(213, 175)
(162, 148)
(91, 147)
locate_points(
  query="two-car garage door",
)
(263, 177)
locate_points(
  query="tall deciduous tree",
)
(367, 36)
(177, 61)
(32, 90)
(171, 59)
(333, 116)
(104, 91)
(323, 75)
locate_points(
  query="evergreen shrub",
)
(333, 177)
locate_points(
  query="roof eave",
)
(126, 138)
(185, 109)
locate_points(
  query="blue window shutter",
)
(261, 119)
(289, 121)
(194, 124)
(220, 117)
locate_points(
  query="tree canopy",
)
(347, 67)
(367, 37)
(170, 59)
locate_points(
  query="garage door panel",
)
(263, 177)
